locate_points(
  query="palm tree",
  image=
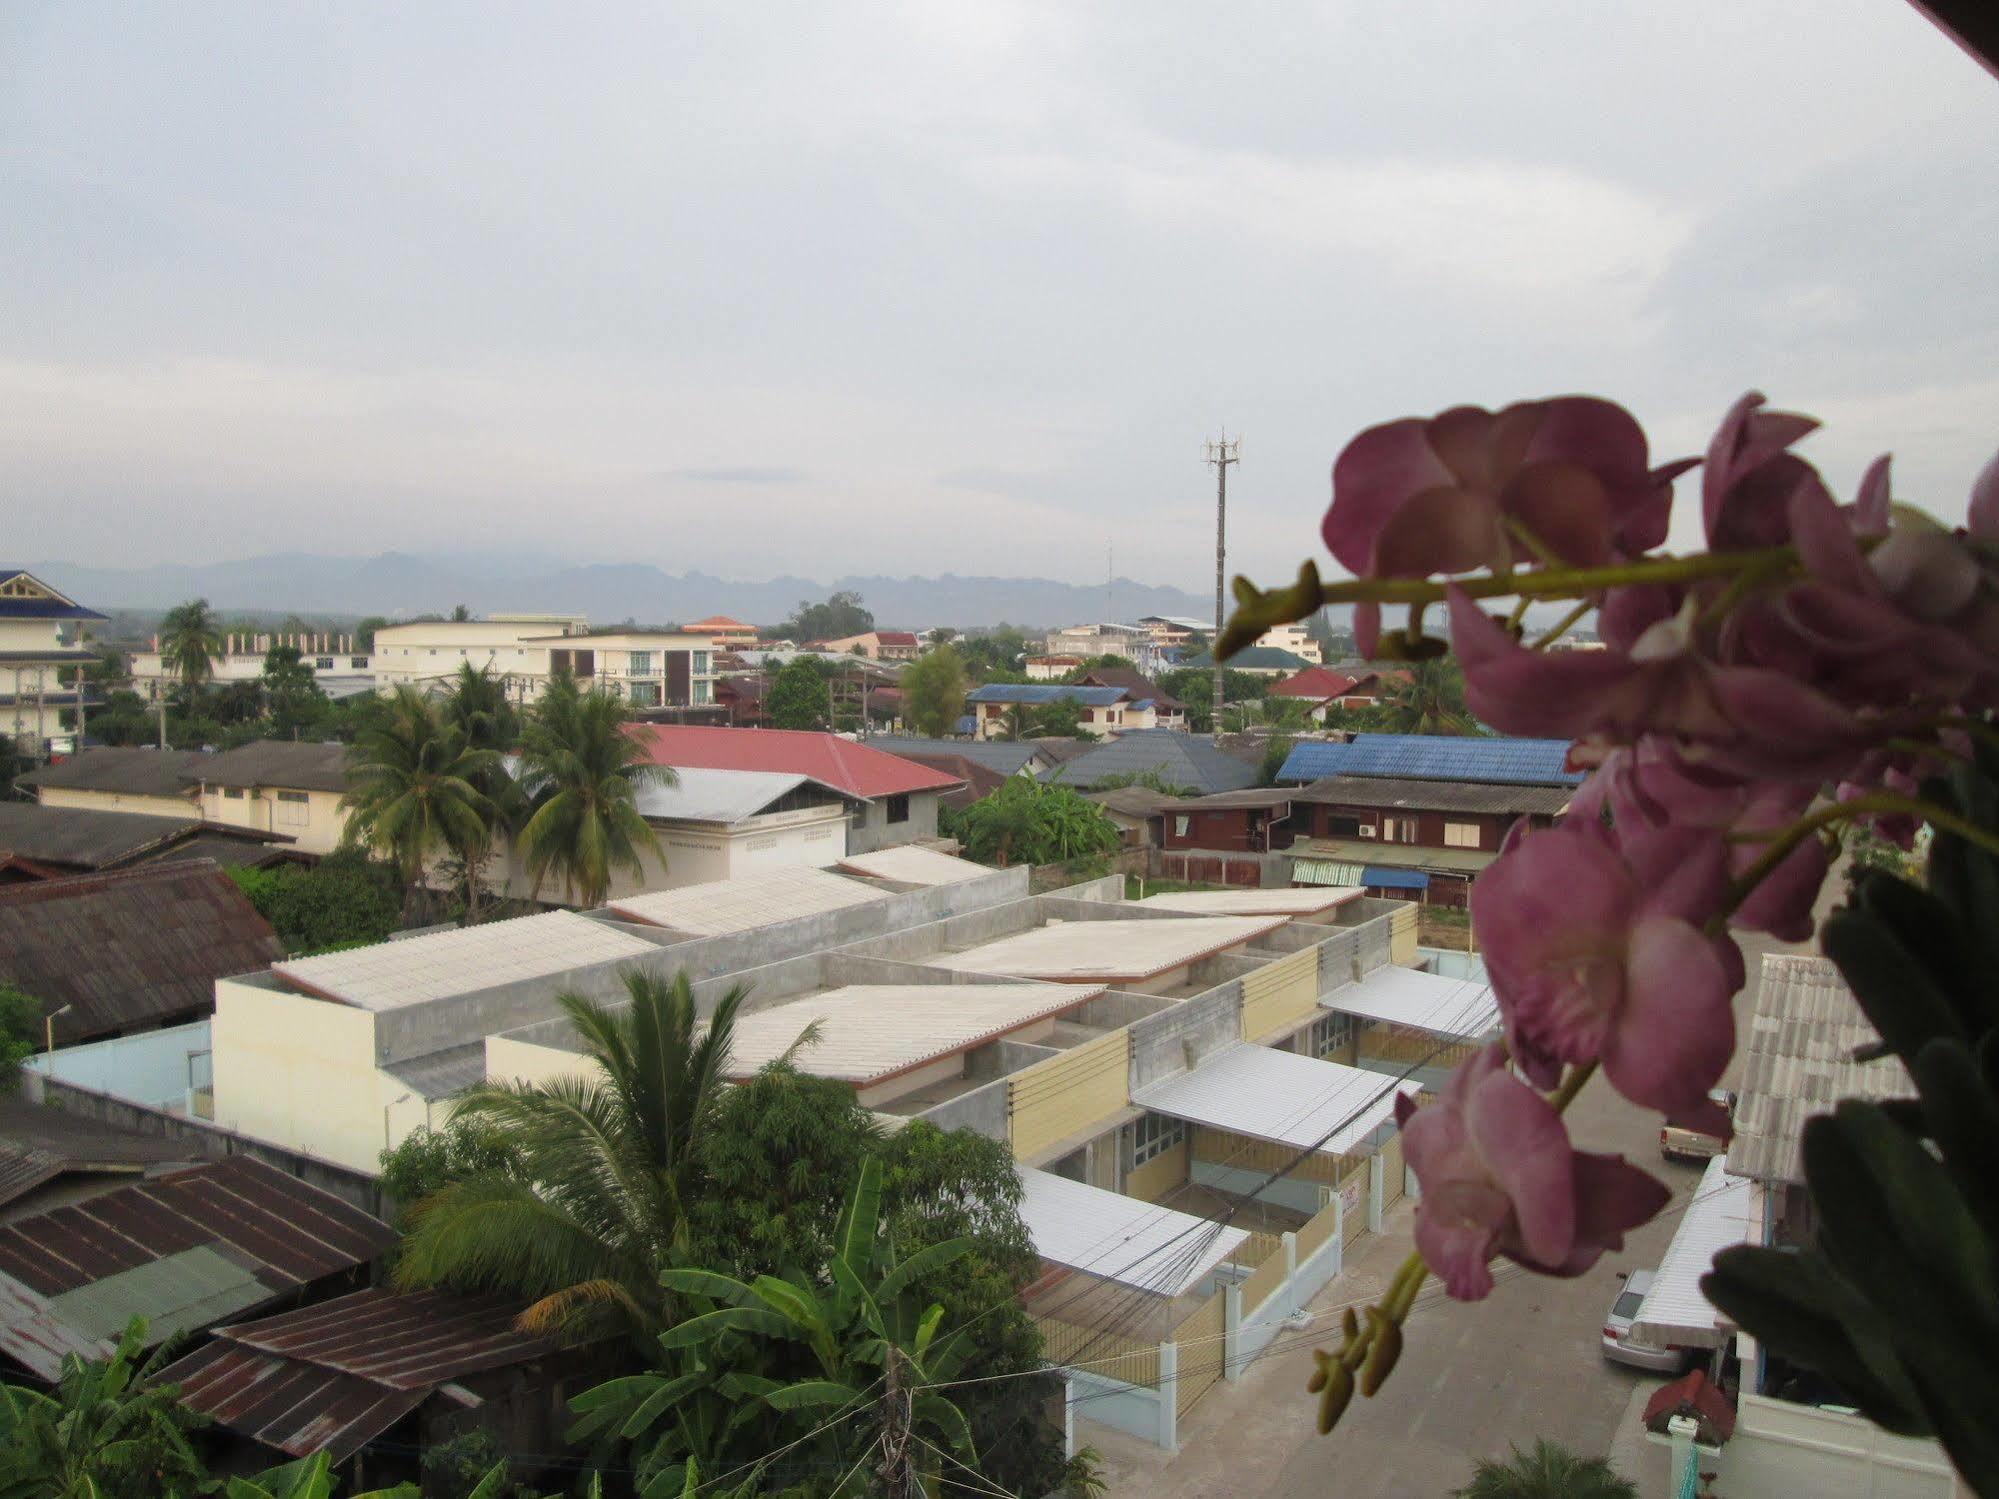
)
(580, 775)
(1548, 1472)
(413, 792)
(478, 707)
(190, 639)
(591, 1206)
(1428, 698)
(104, 1432)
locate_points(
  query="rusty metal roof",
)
(39, 1144)
(281, 1232)
(138, 947)
(332, 1377)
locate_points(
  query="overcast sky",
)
(817, 288)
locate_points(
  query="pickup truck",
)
(1678, 1144)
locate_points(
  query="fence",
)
(1064, 1095)
(1108, 1355)
(1202, 1340)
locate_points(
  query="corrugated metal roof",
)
(1392, 855)
(133, 948)
(1251, 902)
(1178, 759)
(1435, 757)
(1290, 1100)
(442, 1074)
(912, 864)
(36, 1338)
(84, 837)
(276, 1229)
(1721, 1214)
(1434, 796)
(1133, 801)
(1046, 692)
(1119, 1238)
(853, 768)
(282, 763)
(417, 970)
(39, 1144)
(1111, 951)
(1404, 996)
(869, 1032)
(1007, 756)
(703, 795)
(133, 772)
(181, 1292)
(737, 905)
(1798, 1061)
(332, 1377)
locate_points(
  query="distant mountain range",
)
(397, 584)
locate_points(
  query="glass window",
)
(1152, 1135)
(1328, 1034)
(1627, 1305)
(1181, 825)
(641, 663)
(234, 793)
(700, 663)
(322, 663)
(898, 809)
(1460, 835)
(1342, 827)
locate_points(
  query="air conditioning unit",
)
(1366, 831)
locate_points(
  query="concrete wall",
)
(154, 1068)
(700, 853)
(1780, 1450)
(1173, 1040)
(872, 829)
(983, 1111)
(118, 801)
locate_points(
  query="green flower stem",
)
(1886, 802)
(1561, 627)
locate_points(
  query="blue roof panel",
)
(1436, 757)
(1381, 877)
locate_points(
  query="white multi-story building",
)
(647, 668)
(41, 662)
(1293, 638)
(337, 664)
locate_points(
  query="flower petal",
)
(1676, 1030)
(1520, 1138)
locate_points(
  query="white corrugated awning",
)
(1674, 1312)
(1277, 1096)
(1121, 1238)
(1427, 1001)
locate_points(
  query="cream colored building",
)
(157, 783)
(41, 663)
(646, 668)
(1293, 638)
(336, 664)
(277, 786)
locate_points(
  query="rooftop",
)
(1317, 683)
(132, 772)
(1798, 1061)
(740, 904)
(84, 837)
(417, 970)
(1134, 801)
(1252, 902)
(1134, 682)
(1178, 759)
(1723, 1213)
(726, 796)
(1007, 756)
(1250, 658)
(1290, 1100)
(1435, 757)
(912, 864)
(42, 601)
(276, 762)
(1436, 796)
(854, 769)
(130, 949)
(40, 1144)
(1045, 692)
(1376, 854)
(1121, 1238)
(719, 622)
(1110, 951)
(871, 1032)
(1426, 1001)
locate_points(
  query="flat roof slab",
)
(1110, 951)
(911, 864)
(416, 970)
(1254, 902)
(871, 1032)
(738, 905)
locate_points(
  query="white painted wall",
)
(119, 801)
(1781, 1450)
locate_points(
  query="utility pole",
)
(1221, 453)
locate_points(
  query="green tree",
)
(21, 1032)
(994, 654)
(124, 719)
(1428, 699)
(1548, 1472)
(593, 1204)
(292, 695)
(190, 639)
(1061, 719)
(345, 900)
(808, 1347)
(364, 632)
(103, 1432)
(580, 777)
(933, 691)
(478, 707)
(1276, 750)
(429, 1160)
(411, 790)
(1035, 822)
(460, 614)
(797, 697)
(841, 615)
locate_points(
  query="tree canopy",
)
(797, 698)
(580, 777)
(841, 615)
(1034, 822)
(933, 691)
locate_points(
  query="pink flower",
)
(1743, 720)
(1597, 952)
(1499, 1177)
(1749, 478)
(1416, 497)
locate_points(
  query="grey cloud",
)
(745, 475)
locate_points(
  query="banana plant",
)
(817, 1353)
(1897, 1301)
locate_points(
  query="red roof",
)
(719, 622)
(854, 768)
(1317, 683)
(896, 637)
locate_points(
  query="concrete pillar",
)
(1068, 1416)
(1682, 1475)
(1232, 1331)
(1377, 1179)
(1169, 1396)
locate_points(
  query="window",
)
(1342, 827)
(700, 663)
(1461, 835)
(1152, 1135)
(234, 793)
(1398, 829)
(704, 692)
(641, 663)
(294, 809)
(1327, 1034)
(645, 694)
(358, 663)
(1181, 825)
(898, 809)
(322, 663)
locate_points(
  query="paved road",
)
(1526, 1362)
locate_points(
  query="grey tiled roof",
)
(276, 762)
(1006, 756)
(1798, 1061)
(134, 772)
(83, 837)
(1179, 759)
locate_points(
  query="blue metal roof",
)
(1036, 693)
(58, 607)
(1435, 757)
(1380, 877)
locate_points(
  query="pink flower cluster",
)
(1819, 650)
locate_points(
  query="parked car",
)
(1618, 1343)
(1677, 1144)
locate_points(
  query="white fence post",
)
(1232, 1331)
(1377, 1186)
(1169, 1396)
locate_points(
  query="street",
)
(1473, 1378)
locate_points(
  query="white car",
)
(1618, 1343)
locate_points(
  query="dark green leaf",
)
(1898, 997)
(1963, 1118)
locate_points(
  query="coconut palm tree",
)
(190, 640)
(580, 776)
(478, 707)
(1429, 698)
(1548, 1472)
(591, 1206)
(413, 791)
